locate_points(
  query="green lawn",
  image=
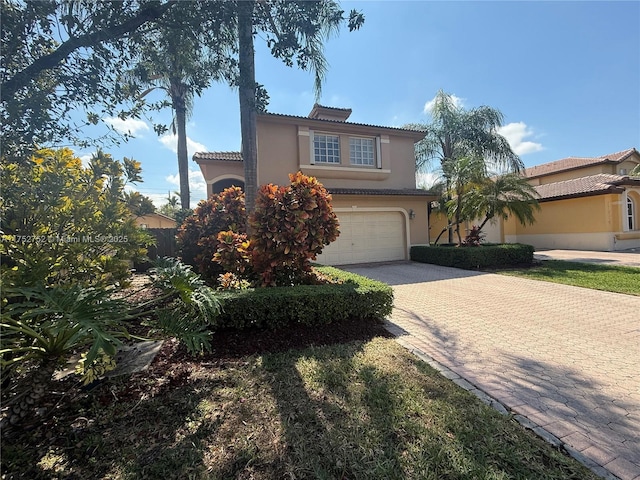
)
(610, 278)
(361, 410)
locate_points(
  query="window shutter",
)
(378, 153)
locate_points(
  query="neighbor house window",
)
(361, 151)
(630, 211)
(326, 148)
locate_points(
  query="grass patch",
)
(610, 278)
(358, 410)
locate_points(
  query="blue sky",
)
(566, 76)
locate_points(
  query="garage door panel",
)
(367, 237)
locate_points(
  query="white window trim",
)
(630, 215)
(375, 153)
(312, 159)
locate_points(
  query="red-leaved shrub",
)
(198, 236)
(289, 228)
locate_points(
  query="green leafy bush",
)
(63, 222)
(290, 227)
(43, 326)
(470, 258)
(198, 235)
(354, 296)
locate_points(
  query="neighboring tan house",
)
(586, 204)
(155, 220)
(369, 170)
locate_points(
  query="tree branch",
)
(50, 61)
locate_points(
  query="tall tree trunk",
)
(183, 156)
(247, 97)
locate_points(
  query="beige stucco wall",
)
(277, 152)
(571, 174)
(156, 221)
(418, 226)
(286, 147)
(628, 165)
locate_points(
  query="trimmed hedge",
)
(472, 258)
(276, 307)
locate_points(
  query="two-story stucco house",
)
(369, 171)
(586, 204)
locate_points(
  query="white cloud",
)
(197, 186)
(516, 133)
(171, 142)
(457, 101)
(130, 126)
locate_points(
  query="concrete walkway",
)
(566, 358)
(629, 258)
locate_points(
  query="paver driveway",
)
(567, 358)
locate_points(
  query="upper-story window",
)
(361, 151)
(326, 148)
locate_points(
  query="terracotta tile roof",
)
(223, 156)
(572, 163)
(414, 192)
(581, 187)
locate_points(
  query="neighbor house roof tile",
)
(583, 186)
(572, 163)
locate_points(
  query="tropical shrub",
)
(234, 253)
(486, 256)
(63, 222)
(289, 228)
(474, 237)
(198, 234)
(349, 296)
(43, 326)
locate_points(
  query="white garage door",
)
(367, 237)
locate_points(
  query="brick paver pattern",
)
(567, 358)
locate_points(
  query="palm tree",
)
(182, 59)
(295, 30)
(463, 175)
(635, 172)
(455, 133)
(504, 195)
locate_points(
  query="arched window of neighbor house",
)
(630, 214)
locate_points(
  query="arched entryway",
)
(222, 183)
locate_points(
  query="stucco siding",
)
(575, 215)
(582, 172)
(277, 152)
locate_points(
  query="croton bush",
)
(289, 228)
(198, 236)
